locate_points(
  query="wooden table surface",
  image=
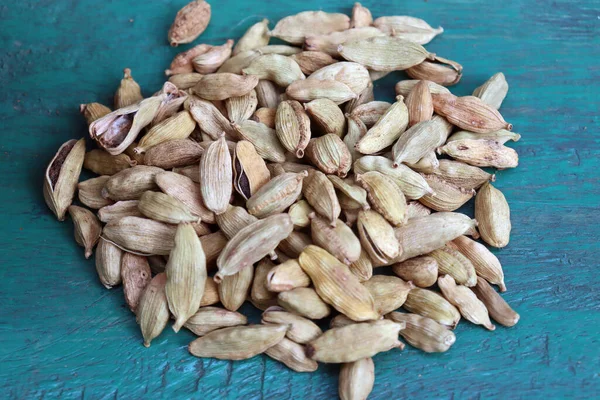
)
(62, 335)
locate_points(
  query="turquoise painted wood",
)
(62, 335)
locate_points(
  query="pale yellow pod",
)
(233, 220)
(441, 71)
(185, 81)
(118, 210)
(276, 68)
(103, 163)
(329, 154)
(93, 111)
(369, 113)
(311, 61)
(299, 213)
(250, 170)
(446, 197)
(454, 263)
(186, 275)
(415, 209)
(136, 276)
(389, 292)
(292, 126)
(216, 176)
(306, 90)
(131, 183)
(234, 289)
(320, 194)
(461, 174)
(87, 228)
(497, 307)
(432, 305)
(90, 192)
(211, 291)
(361, 17)
(424, 333)
(329, 43)
(418, 141)
(358, 377)
(485, 262)
(469, 113)
(387, 130)
(223, 85)
(128, 92)
(481, 153)
(354, 192)
(305, 302)
(140, 235)
(260, 295)
(237, 342)
(108, 263)
(295, 28)
(419, 103)
(365, 96)
(339, 239)
(294, 244)
(422, 271)
(186, 191)
(152, 313)
(502, 136)
(210, 61)
(268, 94)
(377, 237)
(356, 130)
(263, 138)
(493, 91)
(241, 108)
(409, 28)
(208, 319)
(363, 267)
(354, 342)
(471, 308)
(189, 22)
(256, 36)
(301, 330)
(238, 62)
(292, 355)
(179, 126)
(210, 120)
(287, 276)
(385, 196)
(164, 208)
(404, 87)
(493, 214)
(353, 75)
(174, 153)
(327, 115)
(276, 195)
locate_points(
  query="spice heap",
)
(269, 173)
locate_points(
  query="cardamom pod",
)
(62, 174)
(256, 36)
(152, 314)
(90, 192)
(223, 85)
(369, 113)
(340, 320)
(93, 111)
(502, 136)
(234, 289)
(301, 330)
(386, 130)
(337, 239)
(422, 271)
(131, 183)
(432, 305)
(238, 62)
(446, 197)
(190, 171)
(493, 91)
(186, 191)
(292, 127)
(118, 210)
(363, 267)
(164, 208)
(327, 116)
(237, 342)
(129, 91)
(469, 113)
(388, 292)
(108, 263)
(294, 28)
(173, 153)
(233, 220)
(497, 307)
(211, 291)
(209, 118)
(304, 302)
(363, 97)
(209, 319)
(189, 22)
(358, 377)
(329, 154)
(441, 71)
(427, 164)
(263, 138)
(493, 214)
(287, 276)
(268, 94)
(294, 244)
(87, 228)
(481, 153)
(185, 81)
(424, 333)
(419, 104)
(241, 108)
(305, 90)
(408, 28)
(377, 237)
(403, 88)
(186, 275)
(216, 176)
(265, 116)
(454, 263)
(140, 235)
(170, 102)
(136, 276)
(415, 209)
(179, 126)
(353, 75)
(210, 61)
(470, 307)
(354, 192)
(261, 297)
(292, 355)
(213, 244)
(320, 194)
(299, 212)
(311, 61)
(276, 68)
(102, 163)
(418, 141)
(250, 170)
(182, 63)
(354, 342)
(385, 196)
(276, 195)
(485, 262)
(329, 43)
(356, 130)
(361, 17)
(252, 243)
(462, 175)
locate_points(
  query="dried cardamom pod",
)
(337, 239)
(186, 275)
(305, 90)
(422, 235)
(356, 130)
(419, 104)
(385, 196)
(329, 43)
(252, 243)
(190, 171)
(256, 36)
(276, 195)
(327, 115)
(189, 22)
(102, 163)
(164, 208)
(264, 140)
(454, 263)
(481, 153)
(340, 320)
(171, 101)
(185, 81)
(211, 291)
(241, 108)
(173, 153)
(90, 192)
(432, 305)
(446, 197)
(129, 91)
(471, 308)
(485, 262)
(182, 63)
(294, 244)
(354, 192)
(179, 126)
(223, 85)
(292, 355)
(418, 141)
(234, 289)
(358, 377)
(497, 307)
(329, 154)
(136, 276)
(140, 235)
(354, 342)
(152, 314)
(301, 330)
(403, 88)
(294, 28)
(93, 111)
(387, 130)
(209, 118)
(299, 212)
(408, 28)
(412, 184)
(361, 17)
(502, 136)
(440, 70)
(493, 91)
(233, 220)
(362, 268)
(424, 333)
(260, 296)
(311, 61)
(353, 75)
(320, 194)
(461, 174)
(210, 61)
(385, 53)
(213, 244)
(388, 292)
(469, 113)
(427, 164)
(87, 228)
(377, 237)
(62, 174)
(209, 319)
(287, 276)
(108, 263)
(186, 191)
(305, 302)
(268, 94)
(369, 113)
(131, 183)
(265, 116)
(137, 159)
(216, 176)
(292, 127)
(276, 68)
(422, 271)
(365, 96)
(114, 132)
(250, 170)
(415, 209)
(237, 342)
(118, 210)
(238, 62)
(493, 214)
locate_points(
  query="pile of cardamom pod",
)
(269, 174)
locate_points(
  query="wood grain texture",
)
(64, 336)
